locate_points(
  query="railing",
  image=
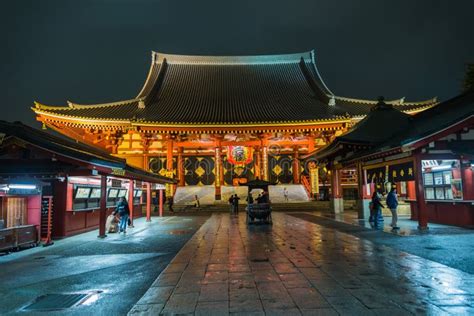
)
(306, 185)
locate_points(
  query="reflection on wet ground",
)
(299, 267)
(117, 269)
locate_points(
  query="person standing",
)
(196, 202)
(236, 204)
(285, 194)
(392, 204)
(124, 212)
(231, 203)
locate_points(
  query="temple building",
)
(220, 120)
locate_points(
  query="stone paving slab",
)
(296, 267)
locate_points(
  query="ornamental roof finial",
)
(141, 104)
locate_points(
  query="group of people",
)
(376, 207)
(234, 204)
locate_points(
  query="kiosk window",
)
(442, 179)
(82, 193)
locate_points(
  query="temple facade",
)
(221, 120)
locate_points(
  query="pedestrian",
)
(123, 211)
(170, 204)
(392, 204)
(231, 203)
(285, 194)
(250, 199)
(236, 203)
(377, 207)
(196, 202)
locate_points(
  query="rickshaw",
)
(261, 211)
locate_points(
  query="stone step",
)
(185, 195)
(283, 207)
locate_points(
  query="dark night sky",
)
(99, 51)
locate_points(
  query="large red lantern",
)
(239, 155)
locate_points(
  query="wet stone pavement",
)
(297, 267)
(120, 268)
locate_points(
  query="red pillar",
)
(148, 202)
(161, 203)
(420, 196)
(103, 206)
(131, 189)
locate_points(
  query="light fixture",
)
(441, 168)
(22, 186)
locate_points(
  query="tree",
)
(469, 78)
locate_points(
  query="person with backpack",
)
(377, 207)
(123, 211)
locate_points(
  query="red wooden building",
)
(80, 183)
(428, 156)
(220, 120)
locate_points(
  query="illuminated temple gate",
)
(210, 120)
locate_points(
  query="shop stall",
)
(76, 186)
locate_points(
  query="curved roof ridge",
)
(232, 60)
(73, 105)
(355, 100)
(400, 101)
(42, 106)
(149, 81)
(313, 62)
(428, 101)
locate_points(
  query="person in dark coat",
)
(392, 204)
(123, 211)
(236, 203)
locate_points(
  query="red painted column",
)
(131, 189)
(161, 203)
(148, 202)
(103, 206)
(420, 196)
(467, 182)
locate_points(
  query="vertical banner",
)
(217, 170)
(314, 177)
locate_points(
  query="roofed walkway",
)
(296, 267)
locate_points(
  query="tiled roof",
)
(229, 89)
(399, 133)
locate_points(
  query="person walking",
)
(236, 204)
(377, 207)
(285, 194)
(231, 203)
(392, 204)
(124, 212)
(196, 202)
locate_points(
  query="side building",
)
(57, 187)
(428, 157)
